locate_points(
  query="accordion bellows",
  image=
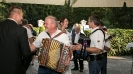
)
(53, 55)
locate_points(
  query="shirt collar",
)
(78, 33)
(12, 19)
(94, 29)
(57, 31)
(24, 26)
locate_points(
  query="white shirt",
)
(107, 43)
(61, 38)
(68, 68)
(12, 19)
(28, 32)
(97, 39)
(129, 45)
(77, 36)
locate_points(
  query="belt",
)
(97, 57)
(104, 54)
(41, 66)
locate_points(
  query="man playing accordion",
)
(51, 33)
(96, 45)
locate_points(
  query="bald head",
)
(77, 29)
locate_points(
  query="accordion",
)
(53, 55)
(83, 54)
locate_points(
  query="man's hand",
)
(78, 47)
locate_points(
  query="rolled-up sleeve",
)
(37, 42)
(107, 43)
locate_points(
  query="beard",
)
(46, 29)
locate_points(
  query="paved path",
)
(116, 65)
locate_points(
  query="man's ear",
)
(16, 16)
(92, 23)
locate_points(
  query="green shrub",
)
(118, 43)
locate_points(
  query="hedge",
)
(119, 42)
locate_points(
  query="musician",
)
(50, 31)
(78, 35)
(106, 49)
(96, 45)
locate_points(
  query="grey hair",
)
(53, 19)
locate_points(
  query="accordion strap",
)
(55, 35)
(58, 35)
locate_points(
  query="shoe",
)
(72, 59)
(81, 70)
(75, 69)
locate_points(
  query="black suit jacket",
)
(14, 47)
(81, 35)
(73, 35)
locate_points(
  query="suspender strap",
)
(96, 30)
